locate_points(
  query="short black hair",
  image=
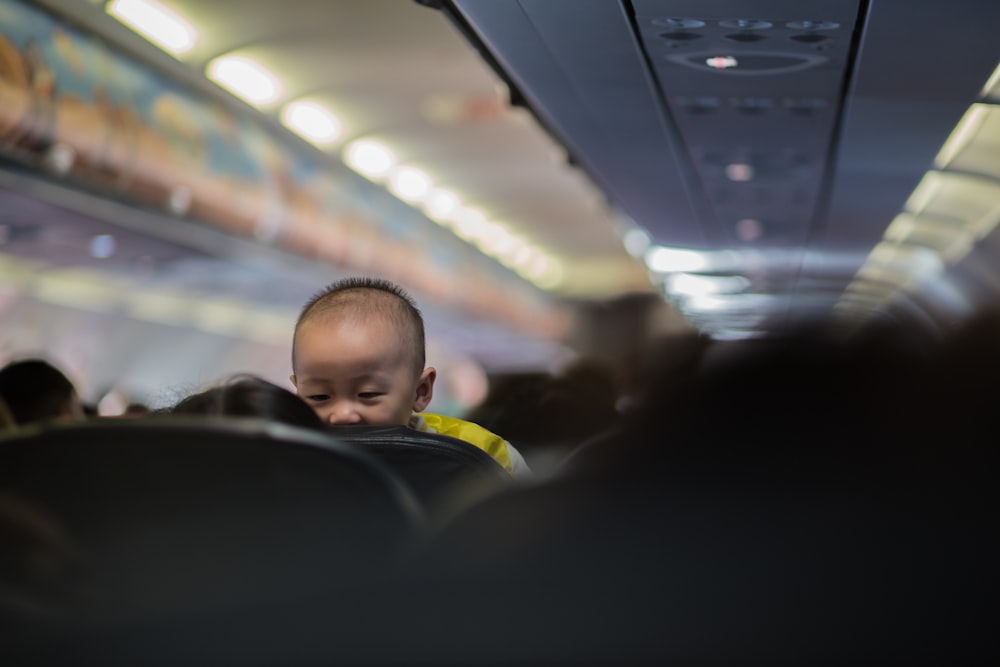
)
(34, 389)
(368, 296)
(246, 395)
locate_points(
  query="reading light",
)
(740, 172)
(157, 23)
(311, 121)
(245, 78)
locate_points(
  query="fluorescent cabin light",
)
(470, 223)
(687, 284)
(441, 204)
(665, 260)
(159, 24)
(369, 158)
(312, 121)
(409, 184)
(245, 78)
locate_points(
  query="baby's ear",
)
(425, 389)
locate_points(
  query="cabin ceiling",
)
(778, 139)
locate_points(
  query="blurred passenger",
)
(134, 410)
(34, 390)
(548, 415)
(7, 422)
(250, 396)
(358, 358)
(766, 502)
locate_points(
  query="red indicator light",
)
(721, 62)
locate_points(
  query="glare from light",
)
(245, 78)
(963, 133)
(636, 241)
(80, 290)
(369, 158)
(470, 223)
(161, 25)
(735, 334)
(687, 284)
(180, 200)
(112, 404)
(440, 204)
(220, 317)
(312, 121)
(551, 277)
(60, 157)
(512, 251)
(729, 302)
(992, 82)
(900, 228)
(162, 307)
(911, 261)
(525, 255)
(663, 259)
(739, 172)
(102, 246)
(749, 229)
(497, 240)
(409, 184)
(924, 193)
(538, 266)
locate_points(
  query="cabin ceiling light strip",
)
(410, 184)
(378, 162)
(159, 24)
(312, 121)
(246, 78)
(965, 132)
(370, 158)
(687, 284)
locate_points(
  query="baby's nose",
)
(343, 413)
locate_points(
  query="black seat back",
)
(168, 514)
(445, 473)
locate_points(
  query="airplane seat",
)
(644, 568)
(447, 475)
(163, 516)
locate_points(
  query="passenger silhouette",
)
(35, 390)
(250, 396)
(765, 502)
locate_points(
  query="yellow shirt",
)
(474, 434)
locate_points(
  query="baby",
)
(358, 358)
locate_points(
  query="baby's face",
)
(358, 373)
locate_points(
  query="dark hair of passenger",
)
(365, 297)
(35, 390)
(250, 396)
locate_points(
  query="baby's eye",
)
(317, 398)
(368, 395)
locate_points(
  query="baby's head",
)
(358, 354)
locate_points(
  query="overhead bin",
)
(78, 108)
